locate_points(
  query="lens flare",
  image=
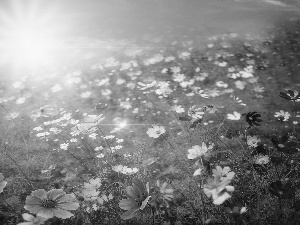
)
(28, 38)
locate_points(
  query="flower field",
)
(186, 133)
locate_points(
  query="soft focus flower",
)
(234, 116)
(32, 220)
(217, 189)
(252, 141)
(137, 199)
(223, 173)
(54, 203)
(166, 193)
(64, 146)
(197, 151)
(291, 95)
(2, 182)
(261, 159)
(156, 131)
(282, 114)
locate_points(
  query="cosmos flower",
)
(137, 199)
(252, 141)
(262, 159)
(54, 203)
(223, 173)
(234, 116)
(291, 95)
(197, 151)
(156, 131)
(252, 118)
(217, 189)
(282, 114)
(165, 193)
(32, 220)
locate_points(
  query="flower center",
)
(48, 203)
(139, 200)
(42, 110)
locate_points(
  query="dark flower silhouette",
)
(252, 118)
(291, 95)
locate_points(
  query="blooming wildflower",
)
(39, 128)
(178, 109)
(221, 84)
(165, 193)
(156, 131)
(109, 137)
(32, 220)
(169, 58)
(12, 116)
(137, 199)
(64, 146)
(291, 95)
(252, 141)
(217, 189)
(52, 203)
(240, 84)
(195, 113)
(282, 114)
(179, 77)
(119, 140)
(252, 118)
(125, 105)
(184, 55)
(86, 94)
(93, 136)
(73, 140)
(234, 116)
(100, 156)
(262, 159)
(197, 151)
(258, 88)
(223, 173)
(2, 182)
(20, 100)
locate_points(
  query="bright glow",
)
(122, 124)
(28, 38)
(30, 46)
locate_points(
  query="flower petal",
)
(55, 193)
(40, 193)
(68, 205)
(45, 212)
(127, 204)
(222, 198)
(129, 214)
(27, 216)
(67, 198)
(63, 214)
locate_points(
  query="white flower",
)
(252, 141)
(234, 116)
(156, 131)
(86, 94)
(223, 173)
(197, 151)
(262, 159)
(73, 140)
(178, 109)
(240, 84)
(32, 220)
(64, 146)
(283, 114)
(93, 136)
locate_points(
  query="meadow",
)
(181, 134)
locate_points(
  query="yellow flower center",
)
(48, 203)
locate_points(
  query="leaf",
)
(185, 118)
(285, 96)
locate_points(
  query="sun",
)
(29, 36)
